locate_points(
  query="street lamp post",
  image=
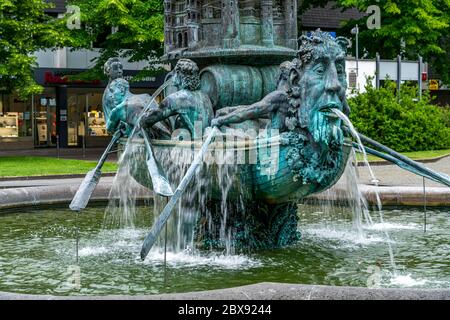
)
(420, 77)
(355, 31)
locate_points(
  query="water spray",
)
(424, 207)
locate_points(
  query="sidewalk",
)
(397, 188)
(91, 154)
(42, 182)
(391, 175)
(388, 175)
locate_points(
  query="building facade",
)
(212, 27)
(68, 113)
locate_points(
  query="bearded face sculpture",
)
(322, 86)
(316, 153)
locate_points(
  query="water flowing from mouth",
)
(359, 205)
(355, 134)
(344, 195)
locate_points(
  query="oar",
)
(395, 161)
(165, 215)
(92, 178)
(160, 183)
(418, 167)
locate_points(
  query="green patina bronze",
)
(238, 65)
(187, 106)
(252, 78)
(121, 106)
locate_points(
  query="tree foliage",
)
(25, 29)
(422, 25)
(405, 124)
(139, 26)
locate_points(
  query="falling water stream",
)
(355, 134)
(38, 248)
(181, 228)
(175, 162)
(125, 192)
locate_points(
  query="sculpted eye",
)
(319, 70)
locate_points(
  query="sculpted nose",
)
(332, 83)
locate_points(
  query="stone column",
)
(267, 23)
(230, 23)
(61, 116)
(290, 16)
(168, 37)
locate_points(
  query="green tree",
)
(422, 25)
(138, 36)
(24, 29)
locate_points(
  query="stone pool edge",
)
(51, 195)
(268, 291)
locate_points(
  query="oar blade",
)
(87, 187)
(161, 185)
(165, 215)
(85, 191)
(148, 244)
(158, 225)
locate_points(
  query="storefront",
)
(68, 113)
(16, 124)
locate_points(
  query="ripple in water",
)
(345, 237)
(38, 256)
(186, 259)
(92, 251)
(392, 226)
(406, 281)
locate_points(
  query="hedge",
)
(404, 124)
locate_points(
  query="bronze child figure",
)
(188, 104)
(127, 108)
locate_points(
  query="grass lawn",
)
(417, 155)
(42, 166)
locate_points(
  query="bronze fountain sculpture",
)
(241, 68)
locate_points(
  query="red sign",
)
(424, 76)
(56, 79)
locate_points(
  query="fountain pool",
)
(38, 255)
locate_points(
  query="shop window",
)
(85, 117)
(15, 117)
(96, 116)
(76, 110)
(45, 119)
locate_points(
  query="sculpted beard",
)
(326, 130)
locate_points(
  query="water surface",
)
(54, 251)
